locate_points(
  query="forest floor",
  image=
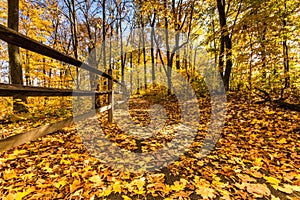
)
(257, 157)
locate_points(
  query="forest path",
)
(256, 157)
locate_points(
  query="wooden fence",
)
(13, 37)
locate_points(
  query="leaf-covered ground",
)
(257, 157)
(41, 111)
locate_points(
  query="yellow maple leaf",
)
(178, 186)
(20, 195)
(75, 174)
(139, 184)
(75, 185)
(74, 155)
(117, 187)
(167, 189)
(66, 162)
(47, 168)
(258, 162)
(273, 181)
(200, 182)
(60, 184)
(225, 194)
(96, 179)
(18, 152)
(282, 141)
(274, 198)
(139, 191)
(27, 176)
(106, 192)
(9, 174)
(126, 197)
(270, 112)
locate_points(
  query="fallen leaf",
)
(282, 141)
(286, 189)
(273, 181)
(205, 192)
(126, 197)
(21, 195)
(259, 189)
(75, 185)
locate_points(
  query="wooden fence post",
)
(110, 97)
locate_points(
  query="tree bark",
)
(144, 57)
(152, 47)
(169, 60)
(225, 42)
(16, 75)
(123, 55)
(27, 68)
(285, 51)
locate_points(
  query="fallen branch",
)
(278, 102)
(289, 106)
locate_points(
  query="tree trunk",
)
(27, 68)
(250, 69)
(152, 48)
(73, 17)
(131, 71)
(123, 55)
(225, 41)
(264, 73)
(16, 74)
(104, 43)
(169, 61)
(144, 58)
(285, 51)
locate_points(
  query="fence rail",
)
(20, 40)
(7, 90)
